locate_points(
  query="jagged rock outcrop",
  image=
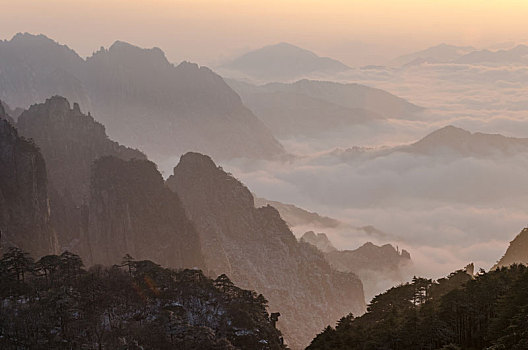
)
(256, 249)
(319, 240)
(24, 205)
(378, 267)
(143, 100)
(131, 211)
(517, 252)
(70, 142)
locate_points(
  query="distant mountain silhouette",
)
(457, 141)
(309, 107)
(516, 55)
(378, 267)
(449, 141)
(281, 62)
(295, 216)
(439, 53)
(319, 240)
(142, 99)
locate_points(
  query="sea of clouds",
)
(447, 210)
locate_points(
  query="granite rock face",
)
(24, 202)
(70, 142)
(131, 211)
(257, 250)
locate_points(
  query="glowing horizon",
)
(205, 31)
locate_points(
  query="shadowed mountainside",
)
(256, 249)
(24, 201)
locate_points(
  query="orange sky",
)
(205, 31)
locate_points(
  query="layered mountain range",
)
(379, 267)
(143, 99)
(107, 200)
(310, 107)
(447, 142)
(255, 247)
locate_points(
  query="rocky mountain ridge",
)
(256, 249)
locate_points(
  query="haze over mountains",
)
(143, 100)
(376, 171)
(311, 108)
(280, 62)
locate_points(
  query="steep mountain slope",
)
(255, 248)
(131, 211)
(24, 203)
(281, 62)
(69, 141)
(143, 100)
(34, 67)
(318, 104)
(517, 252)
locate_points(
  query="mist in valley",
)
(234, 176)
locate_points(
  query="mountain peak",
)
(283, 61)
(129, 53)
(319, 240)
(196, 161)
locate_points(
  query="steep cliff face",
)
(24, 206)
(256, 249)
(131, 211)
(70, 142)
(517, 252)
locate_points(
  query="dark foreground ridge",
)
(488, 311)
(56, 304)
